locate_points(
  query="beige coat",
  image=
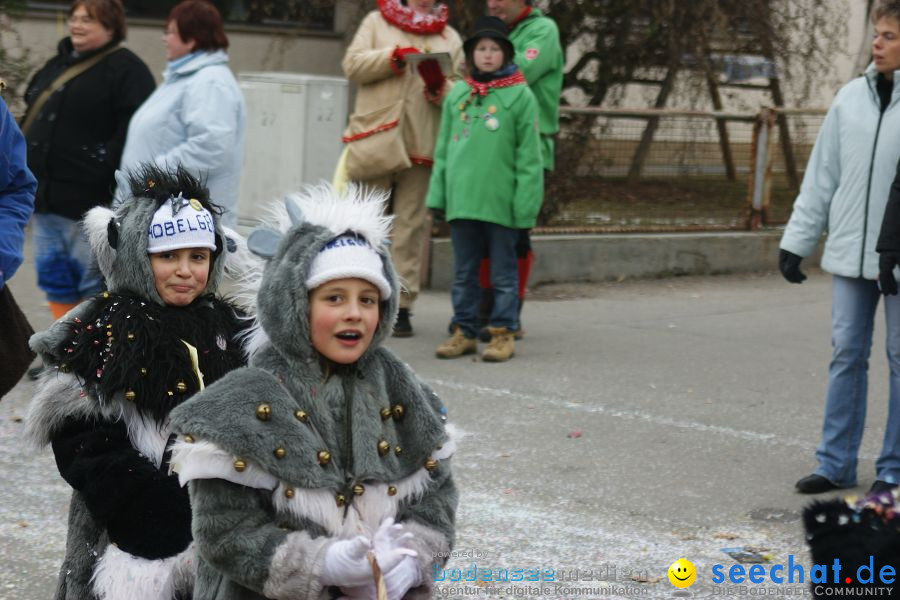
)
(368, 64)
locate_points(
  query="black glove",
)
(438, 216)
(886, 263)
(789, 264)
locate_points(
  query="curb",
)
(607, 257)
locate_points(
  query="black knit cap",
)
(489, 27)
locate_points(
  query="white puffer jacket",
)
(848, 179)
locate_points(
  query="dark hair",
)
(110, 14)
(885, 8)
(200, 21)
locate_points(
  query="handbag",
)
(375, 145)
(15, 355)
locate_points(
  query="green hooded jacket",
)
(487, 160)
(539, 56)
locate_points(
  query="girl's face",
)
(180, 275)
(487, 55)
(343, 317)
(886, 46)
(175, 46)
(86, 32)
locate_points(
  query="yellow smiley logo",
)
(682, 573)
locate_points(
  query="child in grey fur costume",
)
(117, 364)
(324, 451)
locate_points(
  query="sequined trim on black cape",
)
(128, 345)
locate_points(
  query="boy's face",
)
(487, 55)
(886, 46)
(180, 275)
(343, 317)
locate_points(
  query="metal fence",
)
(670, 170)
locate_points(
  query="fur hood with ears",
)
(119, 238)
(298, 231)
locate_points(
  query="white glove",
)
(346, 563)
(391, 545)
(402, 578)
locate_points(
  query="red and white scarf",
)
(481, 89)
(411, 21)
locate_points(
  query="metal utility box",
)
(292, 136)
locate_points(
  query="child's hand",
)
(345, 563)
(391, 545)
(402, 578)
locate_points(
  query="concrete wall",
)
(573, 258)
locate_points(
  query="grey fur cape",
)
(289, 454)
(117, 364)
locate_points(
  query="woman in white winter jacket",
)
(196, 117)
(844, 191)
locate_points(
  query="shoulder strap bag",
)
(67, 75)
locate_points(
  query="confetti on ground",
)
(575, 433)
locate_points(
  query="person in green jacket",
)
(539, 55)
(487, 182)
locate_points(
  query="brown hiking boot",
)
(457, 345)
(502, 346)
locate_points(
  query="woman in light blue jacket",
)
(196, 117)
(844, 191)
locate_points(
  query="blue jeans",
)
(854, 301)
(472, 241)
(66, 270)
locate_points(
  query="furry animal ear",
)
(263, 242)
(294, 212)
(112, 234)
(123, 188)
(103, 236)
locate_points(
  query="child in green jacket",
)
(488, 183)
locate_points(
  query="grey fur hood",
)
(301, 228)
(119, 237)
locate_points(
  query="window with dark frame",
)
(306, 14)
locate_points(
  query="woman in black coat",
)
(75, 136)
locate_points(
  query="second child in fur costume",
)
(327, 448)
(117, 365)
